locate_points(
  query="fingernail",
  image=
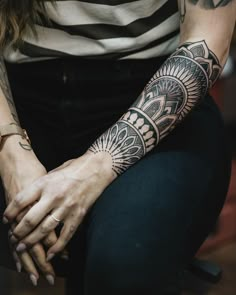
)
(50, 279)
(18, 266)
(20, 247)
(5, 220)
(50, 256)
(65, 257)
(33, 279)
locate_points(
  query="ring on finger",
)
(56, 219)
(59, 221)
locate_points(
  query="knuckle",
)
(17, 201)
(49, 241)
(28, 222)
(70, 204)
(60, 247)
(71, 232)
(16, 235)
(67, 238)
(82, 211)
(72, 229)
(19, 217)
(59, 197)
(28, 244)
(42, 180)
(36, 250)
(44, 229)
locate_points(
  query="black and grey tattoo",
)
(6, 89)
(176, 88)
(210, 4)
(207, 4)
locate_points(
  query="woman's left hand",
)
(67, 192)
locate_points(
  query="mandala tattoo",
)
(175, 89)
(211, 4)
(207, 4)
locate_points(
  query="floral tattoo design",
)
(206, 4)
(175, 89)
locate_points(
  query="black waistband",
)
(85, 64)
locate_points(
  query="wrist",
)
(103, 162)
(13, 149)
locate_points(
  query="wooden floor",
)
(12, 283)
(225, 257)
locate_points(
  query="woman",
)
(127, 166)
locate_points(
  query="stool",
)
(198, 277)
(205, 270)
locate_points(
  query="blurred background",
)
(219, 250)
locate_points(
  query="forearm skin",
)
(175, 89)
(6, 93)
(11, 146)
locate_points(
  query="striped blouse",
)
(101, 29)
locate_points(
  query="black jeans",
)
(148, 224)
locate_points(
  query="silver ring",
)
(56, 219)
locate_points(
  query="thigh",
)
(148, 224)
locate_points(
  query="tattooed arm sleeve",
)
(169, 96)
(175, 89)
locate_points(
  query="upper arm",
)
(209, 20)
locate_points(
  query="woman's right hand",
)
(17, 172)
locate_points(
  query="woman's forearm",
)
(175, 89)
(14, 146)
(8, 112)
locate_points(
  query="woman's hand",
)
(27, 260)
(66, 192)
(17, 175)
